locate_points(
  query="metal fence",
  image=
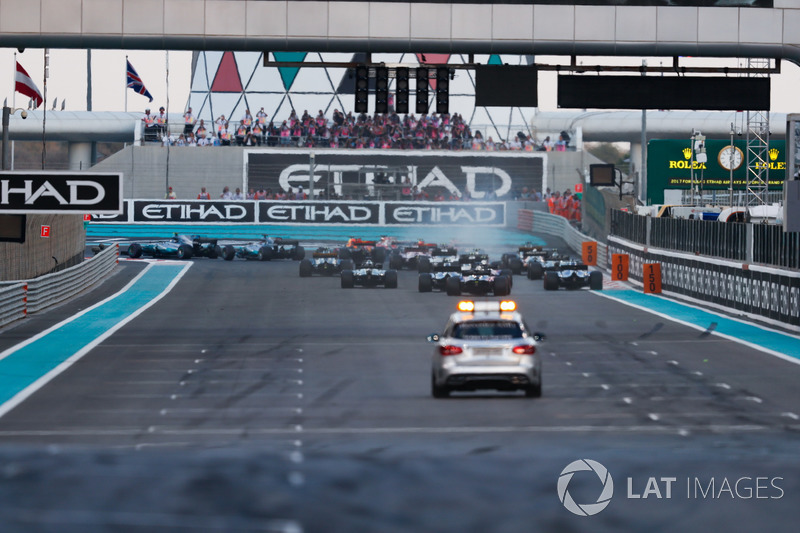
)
(30, 296)
(703, 237)
(765, 244)
(773, 246)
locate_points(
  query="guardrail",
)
(13, 302)
(539, 222)
(33, 295)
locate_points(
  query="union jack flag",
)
(135, 82)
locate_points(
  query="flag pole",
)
(44, 103)
(13, 106)
(126, 84)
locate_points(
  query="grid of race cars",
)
(484, 345)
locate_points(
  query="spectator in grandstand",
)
(161, 122)
(261, 118)
(170, 194)
(247, 120)
(524, 194)
(535, 195)
(299, 194)
(225, 134)
(251, 194)
(203, 194)
(547, 145)
(241, 133)
(220, 122)
(238, 195)
(188, 121)
(181, 141)
(201, 130)
(261, 194)
(226, 194)
(258, 133)
(150, 126)
(205, 141)
(250, 139)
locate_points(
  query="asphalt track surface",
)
(250, 399)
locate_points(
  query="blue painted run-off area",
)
(21, 368)
(776, 341)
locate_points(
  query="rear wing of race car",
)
(286, 242)
(530, 248)
(360, 242)
(319, 255)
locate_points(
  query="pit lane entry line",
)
(782, 345)
(30, 365)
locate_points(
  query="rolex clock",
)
(730, 157)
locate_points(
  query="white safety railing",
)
(13, 302)
(33, 295)
(541, 222)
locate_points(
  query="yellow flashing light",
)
(508, 305)
(466, 306)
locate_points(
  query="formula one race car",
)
(439, 257)
(571, 275)
(409, 255)
(325, 262)
(528, 252)
(539, 261)
(360, 250)
(369, 275)
(179, 247)
(479, 279)
(266, 249)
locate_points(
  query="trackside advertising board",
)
(349, 174)
(669, 166)
(60, 192)
(300, 212)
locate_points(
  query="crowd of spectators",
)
(407, 132)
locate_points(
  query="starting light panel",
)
(506, 86)
(601, 175)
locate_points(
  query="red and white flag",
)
(24, 84)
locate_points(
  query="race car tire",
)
(535, 270)
(378, 255)
(596, 280)
(390, 281)
(213, 252)
(299, 253)
(453, 286)
(502, 286)
(135, 250)
(551, 281)
(228, 252)
(347, 264)
(505, 259)
(344, 253)
(184, 252)
(510, 275)
(265, 253)
(306, 269)
(423, 265)
(534, 391)
(395, 262)
(515, 265)
(425, 282)
(348, 279)
(438, 391)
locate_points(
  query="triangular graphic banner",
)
(288, 74)
(494, 59)
(226, 80)
(433, 59)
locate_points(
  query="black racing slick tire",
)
(535, 270)
(299, 253)
(135, 250)
(453, 286)
(438, 391)
(228, 252)
(378, 255)
(502, 287)
(551, 281)
(425, 282)
(390, 281)
(347, 264)
(184, 252)
(306, 268)
(515, 265)
(596, 280)
(348, 279)
(395, 262)
(265, 253)
(423, 265)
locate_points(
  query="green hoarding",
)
(669, 165)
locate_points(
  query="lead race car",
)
(479, 279)
(266, 249)
(571, 274)
(369, 275)
(324, 262)
(178, 246)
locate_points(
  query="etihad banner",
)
(380, 174)
(60, 192)
(301, 212)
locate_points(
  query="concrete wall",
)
(39, 255)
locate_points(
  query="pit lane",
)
(252, 399)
